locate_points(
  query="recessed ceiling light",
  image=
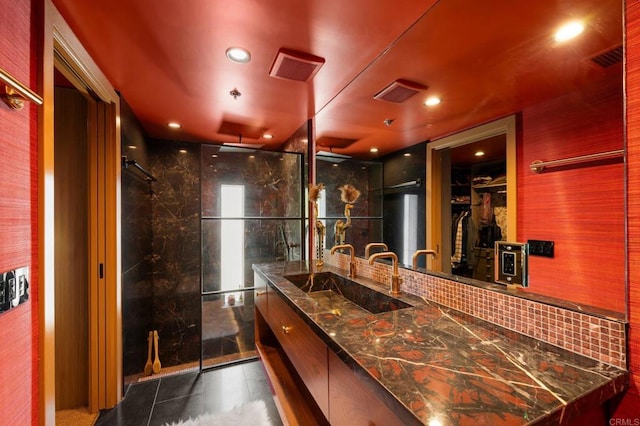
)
(335, 165)
(569, 31)
(214, 155)
(374, 150)
(407, 154)
(433, 100)
(183, 151)
(132, 146)
(479, 153)
(267, 136)
(174, 125)
(238, 55)
(252, 156)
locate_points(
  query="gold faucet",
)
(352, 262)
(368, 247)
(395, 277)
(418, 253)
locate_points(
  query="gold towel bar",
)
(15, 93)
(538, 166)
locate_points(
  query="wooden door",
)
(71, 249)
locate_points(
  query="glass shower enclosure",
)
(252, 212)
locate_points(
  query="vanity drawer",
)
(306, 351)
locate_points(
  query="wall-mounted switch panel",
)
(14, 288)
(511, 263)
(540, 248)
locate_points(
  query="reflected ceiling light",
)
(433, 100)
(174, 125)
(569, 31)
(374, 150)
(335, 165)
(238, 55)
(214, 155)
(479, 153)
(132, 147)
(183, 151)
(267, 136)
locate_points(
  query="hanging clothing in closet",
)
(463, 240)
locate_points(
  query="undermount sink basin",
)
(371, 300)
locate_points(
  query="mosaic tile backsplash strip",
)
(588, 335)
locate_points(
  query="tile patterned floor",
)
(178, 397)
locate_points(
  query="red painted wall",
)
(580, 208)
(18, 217)
(630, 406)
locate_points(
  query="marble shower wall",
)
(166, 235)
(176, 249)
(137, 268)
(366, 177)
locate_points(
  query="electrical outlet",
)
(540, 248)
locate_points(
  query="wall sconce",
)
(15, 93)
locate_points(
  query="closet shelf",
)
(489, 187)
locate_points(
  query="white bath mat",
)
(253, 413)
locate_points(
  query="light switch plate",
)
(14, 288)
(541, 248)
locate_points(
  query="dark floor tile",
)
(179, 385)
(188, 395)
(177, 409)
(260, 389)
(134, 409)
(224, 389)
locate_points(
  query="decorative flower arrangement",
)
(348, 195)
(314, 194)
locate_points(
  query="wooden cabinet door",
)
(306, 351)
(354, 403)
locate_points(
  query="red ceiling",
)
(485, 59)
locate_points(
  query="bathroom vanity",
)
(340, 351)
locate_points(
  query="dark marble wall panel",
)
(366, 177)
(399, 168)
(176, 249)
(137, 294)
(168, 246)
(270, 190)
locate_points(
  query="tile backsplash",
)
(589, 335)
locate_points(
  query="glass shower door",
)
(251, 213)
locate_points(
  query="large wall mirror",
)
(501, 78)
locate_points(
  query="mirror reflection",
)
(566, 100)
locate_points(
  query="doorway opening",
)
(447, 207)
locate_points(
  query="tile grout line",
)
(153, 405)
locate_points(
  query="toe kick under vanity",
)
(331, 361)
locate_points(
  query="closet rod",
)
(538, 166)
(126, 163)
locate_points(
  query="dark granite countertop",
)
(443, 365)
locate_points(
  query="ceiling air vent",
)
(609, 57)
(399, 91)
(294, 65)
